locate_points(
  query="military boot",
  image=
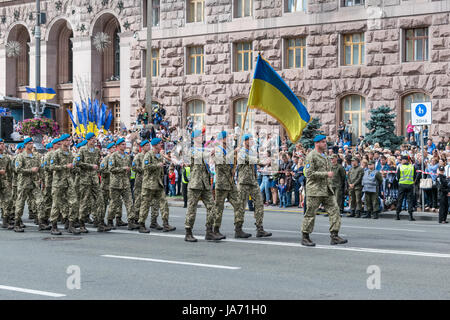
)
(111, 225)
(306, 241)
(43, 225)
(335, 239)
(83, 228)
(375, 215)
(261, 233)
(358, 214)
(189, 237)
(72, 229)
(76, 223)
(154, 224)
(351, 214)
(55, 230)
(367, 215)
(411, 218)
(102, 227)
(17, 227)
(120, 223)
(210, 235)
(5, 223)
(66, 224)
(11, 224)
(397, 216)
(95, 224)
(239, 233)
(21, 224)
(167, 227)
(142, 228)
(217, 233)
(133, 225)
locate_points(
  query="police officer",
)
(444, 193)
(406, 175)
(355, 176)
(318, 178)
(5, 185)
(372, 179)
(338, 180)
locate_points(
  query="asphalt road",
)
(412, 258)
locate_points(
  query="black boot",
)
(55, 231)
(335, 239)
(358, 214)
(217, 233)
(5, 223)
(11, 223)
(72, 229)
(210, 235)
(133, 225)
(111, 225)
(411, 218)
(261, 233)
(154, 224)
(375, 215)
(368, 215)
(43, 225)
(66, 224)
(83, 228)
(397, 216)
(17, 227)
(167, 227)
(306, 241)
(189, 237)
(142, 228)
(120, 223)
(238, 233)
(352, 214)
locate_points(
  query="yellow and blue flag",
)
(272, 95)
(42, 93)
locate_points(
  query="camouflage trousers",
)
(246, 190)
(155, 199)
(5, 198)
(46, 204)
(91, 201)
(194, 197)
(331, 208)
(117, 196)
(233, 198)
(64, 200)
(12, 202)
(338, 194)
(31, 195)
(355, 199)
(106, 199)
(137, 197)
(372, 202)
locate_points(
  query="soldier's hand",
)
(2, 172)
(127, 168)
(69, 165)
(330, 174)
(35, 169)
(95, 167)
(161, 164)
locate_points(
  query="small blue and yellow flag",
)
(42, 93)
(272, 95)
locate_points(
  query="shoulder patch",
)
(51, 161)
(102, 165)
(308, 165)
(17, 163)
(146, 161)
(110, 163)
(133, 164)
(78, 158)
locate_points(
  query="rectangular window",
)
(416, 46)
(352, 3)
(243, 8)
(244, 57)
(155, 62)
(196, 10)
(354, 49)
(295, 53)
(296, 5)
(195, 60)
(155, 13)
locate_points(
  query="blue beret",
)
(109, 146)
(1, 140)
(196, 133)
(64, 137)
(55, 141)
(246, 136)
(155, 141)
(82, 143)
(27, 140)
(319, 137)
(222, 135)
(120, 141)
(143, 143)
(20, 146)
(48, 146)
(90, 135)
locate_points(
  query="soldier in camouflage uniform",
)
(119, 165)
(318, 183)
(137, 168)
(153, 193)
(225, 186)
(27, 165)
(5, 185)
(199, 187)
(248, 186)
(104, 185)
(355, 175)
(12, 201)
(63, 188)
(338, 180)
(88, 160)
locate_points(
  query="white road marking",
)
(42, 293)
(291, 231)
(173, 262)
(377, 228)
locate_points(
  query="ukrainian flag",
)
(42, 93)
(272, 95)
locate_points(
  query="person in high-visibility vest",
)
(185, 179)
(406, 176)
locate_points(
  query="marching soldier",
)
(226, 187)
(104, 175)
(5, 185)
(199, 187)
(12, 201)
(248, 186)
(137, 168)
(27, 165)
(372, 179)
(75, 197)
(338, 180)
(153, 194)
(355, 176)
(63, 187)
(119, 165)
(318, 174)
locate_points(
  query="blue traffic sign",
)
(421, 110)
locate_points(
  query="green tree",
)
(382, 128)
(311, 130)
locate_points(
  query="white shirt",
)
(447, 171)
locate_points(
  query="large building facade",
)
(341, 57)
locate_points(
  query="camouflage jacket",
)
(339, 176)
(224, 172)
(317, 167)
(138, 168)
(13, 170)
(86, 159)
(153, 178)
(104, 173)
(119, 176)
(24, 162)
(355, 176)
(45, 165)
(5, 164)
(200, 175)
(62, 176)
(246, 168)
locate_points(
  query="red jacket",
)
(172, 177)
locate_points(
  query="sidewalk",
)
(424, 216)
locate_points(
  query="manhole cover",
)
(61, 238)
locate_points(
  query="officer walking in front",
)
(406, 175)
(372, 179)
(338, 180)
(355, 176)
(318, 178)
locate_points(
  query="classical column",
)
(125, 78)
(82, 68)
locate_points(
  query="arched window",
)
(354, 109)
(406, 106)
(239, 113)
(196, 110)
(70, 64)
(117, 53)
(23, 60)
